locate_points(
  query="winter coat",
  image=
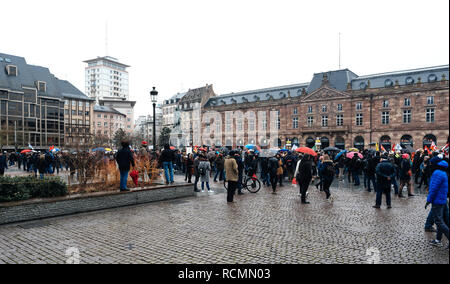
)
(405, 167)
(438, 189)
(231, 169)
(273, 166)
(322, 168)
(167, 155)
(3, 164)
(304, 174)
(207, 167)
(384, 170)
(220, 163)
(124, 158)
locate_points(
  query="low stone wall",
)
(39, 209)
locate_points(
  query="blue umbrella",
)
(339, 154)
(284, 150)
(98, 149)
(250, 146)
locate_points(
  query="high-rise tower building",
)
(106, 78)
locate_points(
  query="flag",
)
(377, 147)
(29, 146)
(427, 149)
(382, 148)
(394, 147)
(433, 146)
(445, 148)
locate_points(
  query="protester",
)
(438, 195)
(220, 162)
(405, 176)
(327, 172)
(385, 173)
(124, 159)
(303, 175)
(273, 165)
(204, 169)
(189, 166)
(3, 164)
(166, 159)
(232, 175)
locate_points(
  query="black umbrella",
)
(331, 149)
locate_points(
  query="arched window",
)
(295, 142)
(310, 142)
(325, 142)
(240, 142)
(406, 140)
(359, 143)
(339, 142)
(428, 140)
(385, 141)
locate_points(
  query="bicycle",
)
(251, 183)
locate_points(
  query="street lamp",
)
(154, 98)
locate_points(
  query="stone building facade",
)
(342, 109)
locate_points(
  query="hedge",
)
(22, 188)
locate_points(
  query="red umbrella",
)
(172, 147)
(25, 151)
(306, 150)
(134, 176)
(351, 154)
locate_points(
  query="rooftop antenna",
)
(339, 50)
(106, 38)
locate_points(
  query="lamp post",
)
(154, 98)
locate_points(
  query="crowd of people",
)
(380, 171)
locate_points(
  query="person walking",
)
(437, 196)
(204, 168)
(327, 172)
(385, 172)
(303, 175)
(405, 176)
(124, 159)
(3, 164)
(273, 165)
(166, 159)
(232, 175)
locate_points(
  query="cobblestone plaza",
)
(258, 228)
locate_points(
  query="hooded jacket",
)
(438, 189)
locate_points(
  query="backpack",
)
(202, 170)
(329, 170)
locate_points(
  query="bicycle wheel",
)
(253, 185)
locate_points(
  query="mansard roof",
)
(258, 95)
(28, 75)
(339, 80)
(406, 77)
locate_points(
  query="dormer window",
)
(11, 70)
(41, 86)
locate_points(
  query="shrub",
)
(22, 188)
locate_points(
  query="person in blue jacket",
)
(3, 164)
(437, 196)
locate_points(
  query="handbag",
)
(294, 181)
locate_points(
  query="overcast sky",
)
(236, 45)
